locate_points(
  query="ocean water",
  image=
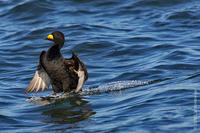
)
(142, 56)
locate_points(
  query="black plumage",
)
(63, 74)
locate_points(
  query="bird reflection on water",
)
(68, 111)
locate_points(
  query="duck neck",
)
(54, 52)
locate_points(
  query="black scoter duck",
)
(65, 75)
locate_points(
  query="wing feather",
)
(81, 81)
(81, 71)
(76, 66)
(30, 85)
(43, 85)
(38, 85)
(41, 80)
(35, 84)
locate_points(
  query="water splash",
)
(105, 88)
(113, 86)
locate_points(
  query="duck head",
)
(57, 37)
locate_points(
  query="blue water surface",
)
(142, 56)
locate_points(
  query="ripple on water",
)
(142, 58)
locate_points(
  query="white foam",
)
(114, 86)
(108, 87)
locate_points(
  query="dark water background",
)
(156, 42)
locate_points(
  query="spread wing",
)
(79, 68)
(41, 80)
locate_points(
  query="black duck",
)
(65, 75)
